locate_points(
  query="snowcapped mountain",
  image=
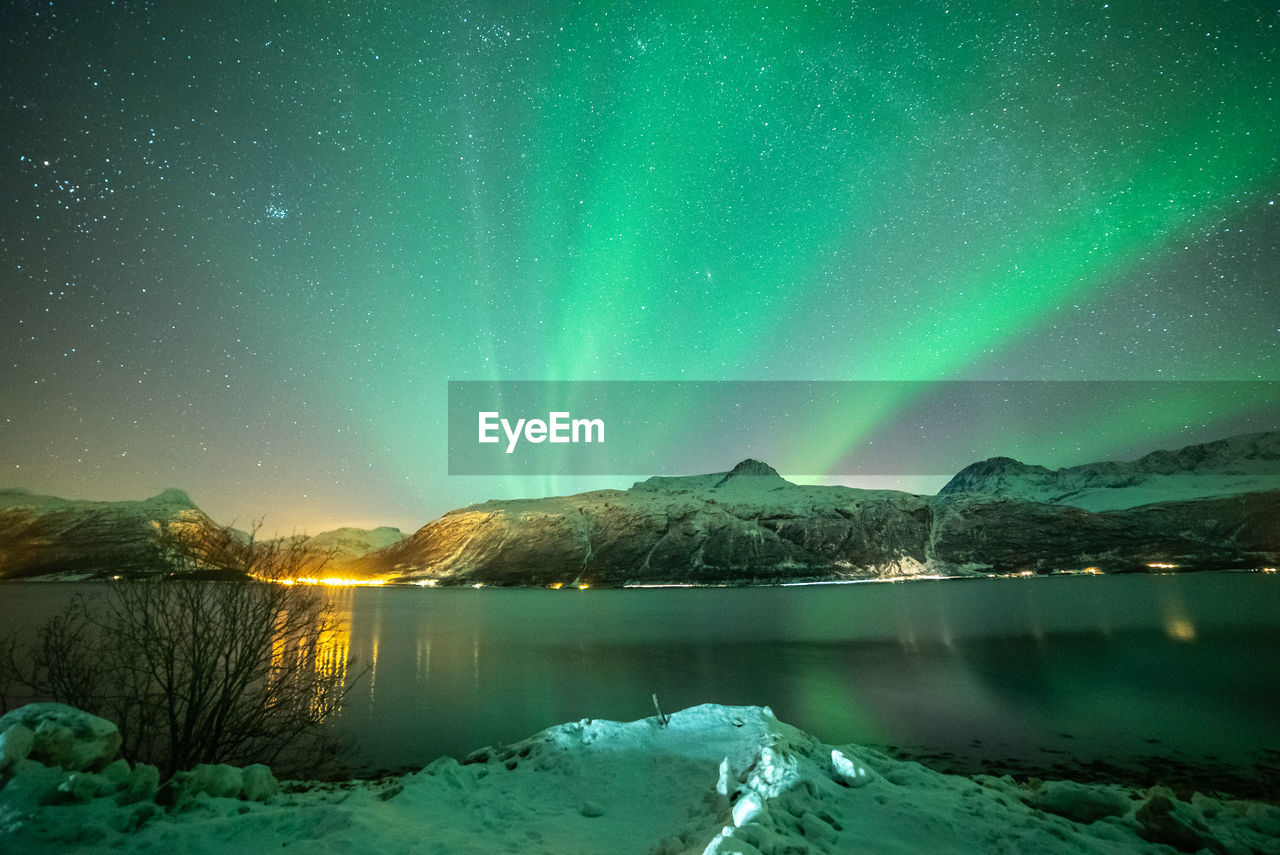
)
(747, 525)
(69, 538)
(338, 552)
(750, 525)
(42, 535)
(348, 543)
(1215, 505)
(1239, 464)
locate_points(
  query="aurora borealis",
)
(244, 250)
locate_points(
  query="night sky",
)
(244, 249)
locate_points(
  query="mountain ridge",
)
(1229, 466)
(43, 535)
(727, 528)
(1212, 505)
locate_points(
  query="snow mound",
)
(710, 779)
(57, 735)
(60, 788)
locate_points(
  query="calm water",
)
(1031, 671)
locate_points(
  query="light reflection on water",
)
(1097, 666)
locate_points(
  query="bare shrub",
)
(201, 671)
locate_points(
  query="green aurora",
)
(246, 250)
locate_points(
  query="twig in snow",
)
(662, 719)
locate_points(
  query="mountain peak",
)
(172, 496)
(753, 467)
(993, 475)
(750, 469)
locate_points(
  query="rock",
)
(751, 526)
(86, 786)
(680, 530)
(142, 785)
(747, 808)
(65, 736)
(591, 809)
(849, 772)
(391, 792)
(1264, 818)
(15, 744)
(217, 779)
(259, 783)
(1078, 802)
(727, 782)
(119, 771)
(1238, 464)
(1163, 819)
(31, 785)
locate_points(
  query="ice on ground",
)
(714, 779)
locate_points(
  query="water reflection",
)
(1178, 624)
(1180, 628)
(1010, 664)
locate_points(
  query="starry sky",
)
(246, 246)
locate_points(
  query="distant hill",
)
(337, 552)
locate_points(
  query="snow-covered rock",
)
(337, 553)
(348, 543)
(1079, 802)
(63, 736)
(258, 783)
(1202, 507)
(16, 742)
(70, 538)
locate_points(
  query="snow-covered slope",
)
(747, 525)
(1239, 464)
(1198, 508)
(338, 552)
(347, 542)
(1206, 506)
(71, 538)
(714, 779)
(48, 535)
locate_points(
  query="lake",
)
(1175, 672)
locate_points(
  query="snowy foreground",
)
(714, 779)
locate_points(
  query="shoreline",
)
(1183, 777)
(446, 585)
(709, 779)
